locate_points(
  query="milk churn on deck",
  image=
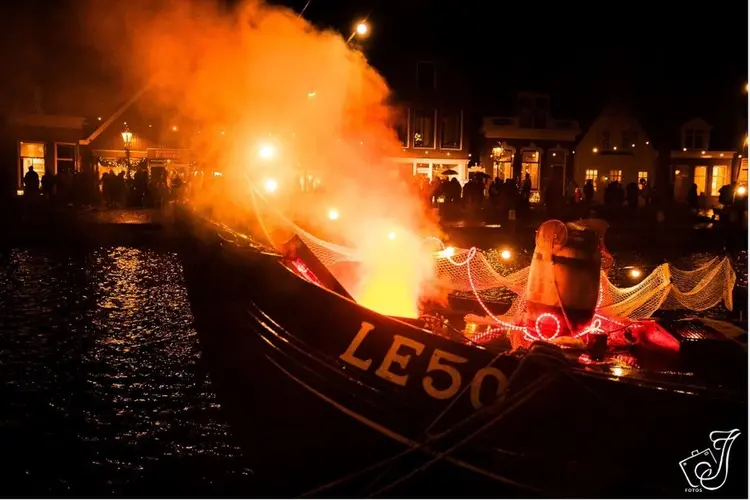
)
(564, 275)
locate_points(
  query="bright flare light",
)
(391, 235)
(505, 254)
(741, 190)
(267, 151)
(635, 273)
(271, 185)
(333, 214)
(362, 29)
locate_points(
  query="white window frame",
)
(538, 151)
(434, 132)
(19, 160)
(715, 188)
(460, 133)
(74, 159)
(496, 164)
(408, 128)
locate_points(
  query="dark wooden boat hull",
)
(319, 388)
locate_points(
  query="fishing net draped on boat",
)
(471, 272)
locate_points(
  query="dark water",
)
(103, 391)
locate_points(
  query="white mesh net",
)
(472, 273)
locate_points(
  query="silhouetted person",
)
(31, 182)
(726, 194)
(48, 184)
(454, 188)
(692, 197)
(633, 191)
(588, 191)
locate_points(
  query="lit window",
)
(699, 178)
(642, 175)
(530, 165)
(615, 175)
(31, 155)
(718, 178)
(742, 180)
(503, 164)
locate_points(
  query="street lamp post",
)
(127, 140)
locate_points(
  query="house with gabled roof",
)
(706, 156)
(615, 147)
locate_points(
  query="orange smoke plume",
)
(273, 103)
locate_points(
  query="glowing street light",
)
(741, 190)
(271, 185)
(333, 214)
(505, 254)
(127, 141)
(127, 137)
(635, 273)
(361, 30)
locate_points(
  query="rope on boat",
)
(542, 383)
(519, 398)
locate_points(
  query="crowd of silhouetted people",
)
(508, 199)
(87, 188)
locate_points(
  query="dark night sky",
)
(669, 60)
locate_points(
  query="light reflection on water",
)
(102, 391)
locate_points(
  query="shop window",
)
(31, 154)
(615, 175)
(719, 178)
(502, 163)
(699, 178)
(530, 165)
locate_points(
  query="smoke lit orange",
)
(281, 104)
